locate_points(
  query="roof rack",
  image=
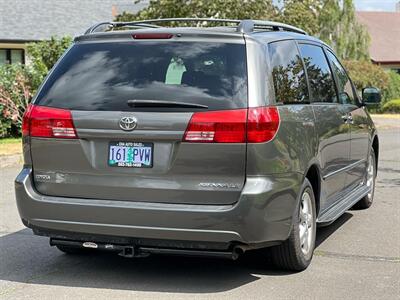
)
(243, 26)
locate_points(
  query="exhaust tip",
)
(237, 251)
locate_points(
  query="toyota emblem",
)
(128, 123)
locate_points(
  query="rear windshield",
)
(104, 76)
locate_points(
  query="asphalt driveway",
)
(357, 257)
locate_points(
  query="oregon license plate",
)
(130, 154)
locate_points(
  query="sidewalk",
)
(386, 121)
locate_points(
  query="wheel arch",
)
(375, 146)
(313, 174)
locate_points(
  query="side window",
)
(288, 73)
(345, 88)
(319, 74)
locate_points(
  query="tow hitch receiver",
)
(129, 252)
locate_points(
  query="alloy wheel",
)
(306, 226)
(370, 180)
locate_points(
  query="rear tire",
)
(370, 177)
(296, 252)
(71, 250)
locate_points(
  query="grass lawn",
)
(10, 146)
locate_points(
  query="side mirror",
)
(371, 96)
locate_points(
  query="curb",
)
(386, 121)
(386, 116)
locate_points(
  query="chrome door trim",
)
(351, 166)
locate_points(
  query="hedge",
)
(392, 106)
(393, 90)
(365, 74)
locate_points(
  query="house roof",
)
(384, 29)
(31, 20)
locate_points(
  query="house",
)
(384, 29)
(24, 21)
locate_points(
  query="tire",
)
(294, 254)
(370, 178)
(72, 250)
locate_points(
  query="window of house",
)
(12, 56)
(345, 88)
(3, 56)
(322, 86)
(288, 73)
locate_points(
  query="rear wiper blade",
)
(161, 103)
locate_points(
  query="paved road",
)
(357, 257)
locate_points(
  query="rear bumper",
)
(263, 214)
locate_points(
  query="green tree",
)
(44, 55)
(233, 9)
(333, 21)
(302, 14)
(339, 28)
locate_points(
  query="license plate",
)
(130, 154)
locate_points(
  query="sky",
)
(369, 5)
(375, 5)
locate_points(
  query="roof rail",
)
(104, 26)
(243, 26)
(247, 26)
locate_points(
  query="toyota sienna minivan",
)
(207, 141)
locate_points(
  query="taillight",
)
(25, 120)
(226, 126)
(254, 125)
(262, 124)
(48, 122)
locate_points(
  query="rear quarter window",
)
(104, 76)
(288, 73)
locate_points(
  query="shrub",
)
(393, 90)
(19, 83)
(392, 106)
(365, 74)
(5, 126)
(15, 93)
